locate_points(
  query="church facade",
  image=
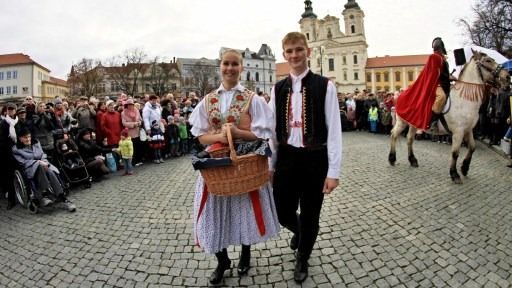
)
(340, 56)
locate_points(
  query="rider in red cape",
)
(414, 105)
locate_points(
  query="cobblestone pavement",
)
(384, 227)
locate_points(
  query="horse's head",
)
(491, 72)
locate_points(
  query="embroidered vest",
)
(237, 112)
(314, 128)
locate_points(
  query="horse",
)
(466, 96)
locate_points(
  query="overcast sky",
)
(58, 33)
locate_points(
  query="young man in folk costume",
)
(422, 103)
(307, 148)
(246, 219)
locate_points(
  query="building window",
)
(329, 33)
(257, 77)
(377, 77)
(8, 75)
(1, 90)
(8, 90)
(269, 65)
(397, 88)
(386, 88)
(271, 78)
(355, 59)
(397, 76)
(148, 88)
(38, 89)
(352, 29)
(344, 60)
(386, 77)
(1, 75)
(345, 75)
(25, 89)
(309, 64)
(379, 88)
(248, 76)
(356, 76)
(14, 89)
(15, 75)
(410, 75)
(307, 36)
(331, 64)
(368, 77)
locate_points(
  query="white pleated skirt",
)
(231, 220)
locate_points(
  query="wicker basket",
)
(246, 173)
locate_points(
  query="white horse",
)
(466, 96)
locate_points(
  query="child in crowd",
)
(67, 148)
(126, 151)
(183, 136)
(173, 137)
(156, 141)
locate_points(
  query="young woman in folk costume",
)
(244, 219)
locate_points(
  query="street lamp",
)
(319, 54)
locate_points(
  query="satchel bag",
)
(111, 162)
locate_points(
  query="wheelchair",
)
(24, 189)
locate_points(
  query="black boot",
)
(245, 260)
(223, 264)
(433, 123)
(301, 268)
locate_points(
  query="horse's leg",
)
(471, 148)
(410, 139)
(456, 142)
(395, 133)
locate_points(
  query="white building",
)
(337, 55)
(20, 76)
(259, 72)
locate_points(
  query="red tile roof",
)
(18, 59)
(58, 81)
(396, 61)
(282, 69)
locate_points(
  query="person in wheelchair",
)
(68, 151)
(31, 158)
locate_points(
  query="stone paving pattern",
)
(383, 227)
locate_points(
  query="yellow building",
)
(54, 87)
(392, 73)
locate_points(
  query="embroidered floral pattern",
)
(216, 118)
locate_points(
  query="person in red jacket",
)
(111, 125)
(100, 110)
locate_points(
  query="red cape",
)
(414, 105)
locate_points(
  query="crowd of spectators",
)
(157, 128)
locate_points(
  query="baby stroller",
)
(69, 161)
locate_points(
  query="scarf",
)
(131, 113)
(12, 131)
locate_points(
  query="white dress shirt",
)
(332, 120)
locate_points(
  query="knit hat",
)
(11, 105)
(109, 102)
(170, 118)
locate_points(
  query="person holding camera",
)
(42, 127)
(85, 114)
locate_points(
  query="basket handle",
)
(232, 152)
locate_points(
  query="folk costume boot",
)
(223, 264)
(434, 130)
(301, 268)
(245, 260)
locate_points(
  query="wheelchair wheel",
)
(21, 189)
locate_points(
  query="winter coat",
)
(28, 157)
(85, 117)
(126, 148)
(150, 114)
(131, 123)
(42, 127)
(111, 127)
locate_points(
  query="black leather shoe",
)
(294, 242)
(218, 273)
(10, 205)
(301, 270)
(245, 260)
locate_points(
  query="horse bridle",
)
(494, 73)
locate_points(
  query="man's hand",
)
(329, 185)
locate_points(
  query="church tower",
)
(339, 56)
(354, 19)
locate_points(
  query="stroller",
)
(69, 161)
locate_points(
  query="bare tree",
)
(160, 75)
(127, 70)
(204, 77)
(491, 26)
(85, 77)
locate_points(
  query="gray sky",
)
(57, 33)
